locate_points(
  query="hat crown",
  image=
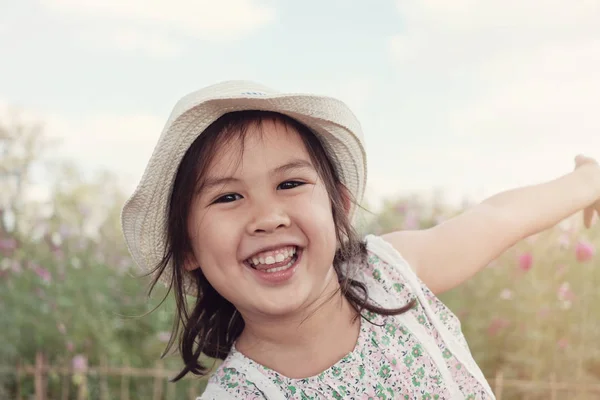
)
(222, 90)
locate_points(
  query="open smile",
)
(275, 266)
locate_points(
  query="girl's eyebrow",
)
(293, 165)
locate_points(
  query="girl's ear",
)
(190, 263)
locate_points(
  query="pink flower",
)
(163, 336)
(401, 208)
(506, 294)
(565, 293)
(70, 346)
(525, 261)
(544, 312)
(497, 325)
(43, 273)
(79, 362)
(411, 221)
(584, 251)
(7, 245)
(562, 343)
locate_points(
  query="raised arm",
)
(450, 253)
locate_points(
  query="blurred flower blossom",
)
(562, 343)
(164, 336)
(584, 251)
(65, 231)
(561, 269)
(497, 325)
(56, 239)
(58, 254)
(506, 294)
(543, 312)
(401, 208)
(564, 241)
(565, 293)
(61, 328)
(525, 261)
(43, 273)
(70, 346)
(75, 262)
(411, 221)
(7, 245)
(79, 363)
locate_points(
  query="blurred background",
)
(458, 100)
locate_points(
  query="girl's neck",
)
(304, 345)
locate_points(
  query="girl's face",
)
(261, 228)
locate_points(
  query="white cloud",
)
(523, 82)
(119, 143)
(205, 19)
(157, 27)
(132, 40)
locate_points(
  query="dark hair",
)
(214, 323)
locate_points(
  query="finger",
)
(580, 159)
(588, 214)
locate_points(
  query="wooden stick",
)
(19, 375)
(499, 384)
(39, 377)
(66, 383)
(157, 390)
(104, 395)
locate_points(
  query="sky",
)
(468, 97)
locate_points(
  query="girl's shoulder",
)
(392, 282)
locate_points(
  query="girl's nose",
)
(268, 218)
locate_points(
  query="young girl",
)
(246, 205)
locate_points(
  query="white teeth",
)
(280, 268)
(272, 259)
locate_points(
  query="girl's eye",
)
(289, 185)
(228, 198)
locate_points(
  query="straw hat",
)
(144, 215)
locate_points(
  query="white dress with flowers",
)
(421, 354)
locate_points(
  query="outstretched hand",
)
(588, 213)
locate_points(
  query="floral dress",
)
(421, 354)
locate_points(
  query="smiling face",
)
(261, 224)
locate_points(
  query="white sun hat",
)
(144, 215)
